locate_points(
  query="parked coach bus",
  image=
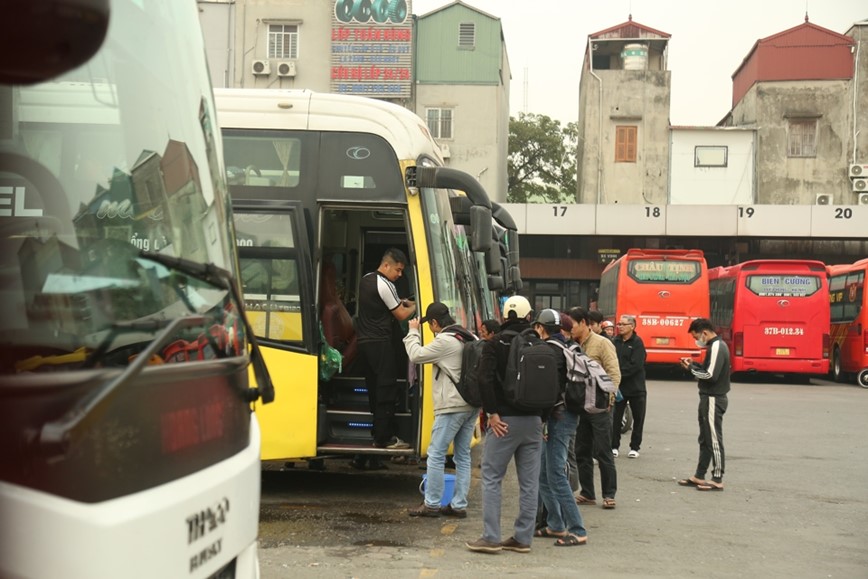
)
(321, 186)
(849, 315)
(129, 445)
(773, 315)
(665, 289)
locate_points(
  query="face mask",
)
(700, 342)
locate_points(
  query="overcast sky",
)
(546, 39)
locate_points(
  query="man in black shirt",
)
(377, 330)
(631, 360)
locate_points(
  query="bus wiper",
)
(59, 432)
(221, 278)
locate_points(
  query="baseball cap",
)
(517, 304)
(435, 311)
(549, 317)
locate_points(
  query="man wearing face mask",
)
(713, 382)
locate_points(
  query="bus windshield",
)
(791, 286)
(114, 158)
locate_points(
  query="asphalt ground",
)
(795, 504)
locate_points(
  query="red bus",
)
(665, 289)
(772, 314)
(849, 316)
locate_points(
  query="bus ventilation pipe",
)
(448, 178)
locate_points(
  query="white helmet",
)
(516, 307)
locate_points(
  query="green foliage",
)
(541, 165)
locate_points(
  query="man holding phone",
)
(713, 382)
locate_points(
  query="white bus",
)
(130, 447)
(321, 185)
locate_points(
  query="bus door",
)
(276, 273)
(783, 316)
(855, 346)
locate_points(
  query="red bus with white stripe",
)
(665, 289)
(773, 315)
(849, 321)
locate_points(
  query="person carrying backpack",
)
(515, 428)
(594, 434)
(563, 519)
(454, 418)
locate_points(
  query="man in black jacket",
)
(713, 382)
(631, 360)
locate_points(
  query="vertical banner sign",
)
(372, 48)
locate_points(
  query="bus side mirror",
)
(515, 278)
(41, 39)
(493, 265)
(495, 282)
(480, 228)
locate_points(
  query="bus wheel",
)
(862, 378)
(837, 373)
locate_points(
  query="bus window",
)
(262, 161)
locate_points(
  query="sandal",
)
(583, 500)
(545, 532)
(689, 482)
(709, 486)
(571, 541)
(608, 503)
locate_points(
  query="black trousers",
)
(637, 405)
(594, 440)
(711, 411)
(381, 381)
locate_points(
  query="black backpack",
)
(531, 381)
(468, 383)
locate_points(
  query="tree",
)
(541, 165)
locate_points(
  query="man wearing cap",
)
(563, 519)
(512, 433)
(454, 419)
(608, 329)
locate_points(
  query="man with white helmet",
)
(512, 433)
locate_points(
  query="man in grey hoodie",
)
(454, 418)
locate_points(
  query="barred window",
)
(440, 123)
(466, 35)
(282, 41)
(802, 138)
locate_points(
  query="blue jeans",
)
(554, 480)
(455, 428)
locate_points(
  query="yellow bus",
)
(321, 185)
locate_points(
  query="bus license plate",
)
(782, 351)
(661, 341)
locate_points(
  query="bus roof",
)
(635, 253)
(313, 111)
(847, 267)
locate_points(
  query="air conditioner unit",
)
(860, 184)
(862, 199)
(286, 69)
(825, 199)
(858, 170)
(261, 67)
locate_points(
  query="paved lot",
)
(795, 505)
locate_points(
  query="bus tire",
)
(627, 420)
(837, 373)
(862, 378)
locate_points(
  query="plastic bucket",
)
(448, 488)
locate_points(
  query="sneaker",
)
(448, 511)
(397, 444)
(512, 545)
(424, 510)
(615, 452)
(633, 454)
(482, 546)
